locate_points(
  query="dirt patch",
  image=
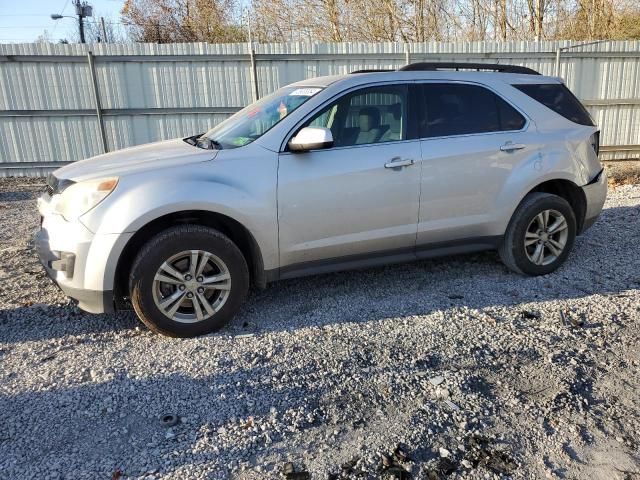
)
(623, 173)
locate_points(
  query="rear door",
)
(471, 139)
(358, 199)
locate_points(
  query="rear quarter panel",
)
(564, 152)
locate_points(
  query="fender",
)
(243, 189)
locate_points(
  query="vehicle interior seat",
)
(370, 129)
(393, 121)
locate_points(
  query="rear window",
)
(558, 98)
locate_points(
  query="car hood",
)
(156, 155)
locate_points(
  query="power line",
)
(61, 12)
(97, 22)
(135, 24)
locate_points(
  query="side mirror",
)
(311, 138)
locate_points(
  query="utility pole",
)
(81, 28)
(83, 10)
(104, 31)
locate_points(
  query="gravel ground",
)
(450, 368)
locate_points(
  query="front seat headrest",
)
(369, 118)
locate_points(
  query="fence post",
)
(407, 58)
(96, 99)
(254, 72)
(558, 53)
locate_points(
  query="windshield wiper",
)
(216, 144)
(210, 144)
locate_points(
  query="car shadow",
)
(603, 262)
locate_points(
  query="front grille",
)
(52, 184)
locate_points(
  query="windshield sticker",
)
(282, 110)
(305, 92)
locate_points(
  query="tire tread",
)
(507, 248)
(170, 235)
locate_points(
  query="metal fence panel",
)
(151, 92)
(126, 130)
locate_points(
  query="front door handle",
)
(397, 162)
(510, 147)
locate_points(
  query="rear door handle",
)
(397, 162)
(510, 147)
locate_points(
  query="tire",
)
(161, 277)
(525, 225)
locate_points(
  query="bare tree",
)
(165, 21)
(94, 34)
(380, 20)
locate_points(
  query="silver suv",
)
(327, 174)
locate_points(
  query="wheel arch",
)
(230, 227)
(571, 192)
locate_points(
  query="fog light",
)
(65, 263)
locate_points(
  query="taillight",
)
(595, 142)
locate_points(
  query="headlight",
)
(81, 197)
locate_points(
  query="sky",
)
(25, 20)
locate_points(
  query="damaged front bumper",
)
(65, 268)
(64, 250)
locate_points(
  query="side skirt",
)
(387, 257)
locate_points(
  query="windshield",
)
(253, 121)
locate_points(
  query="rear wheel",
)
(188, 280)
(540, 235)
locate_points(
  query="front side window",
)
(459, 109)
(367, 116)
(253, 121)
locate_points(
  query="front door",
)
(357, 200)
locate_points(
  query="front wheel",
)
(540, 235)
(188, 280)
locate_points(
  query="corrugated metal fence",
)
(61, 103)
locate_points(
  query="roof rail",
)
(370, 70)
(495, 67)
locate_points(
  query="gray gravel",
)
(468, 368)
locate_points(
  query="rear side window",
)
(458, 109)
(558, 98)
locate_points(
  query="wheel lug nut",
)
(200, 290)
(187, 277)
(189, 295)
(200, 279)
(182, 287)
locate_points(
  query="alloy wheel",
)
(546, 237)
(191, 286)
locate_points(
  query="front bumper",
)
(67, 273)
(595, 193)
